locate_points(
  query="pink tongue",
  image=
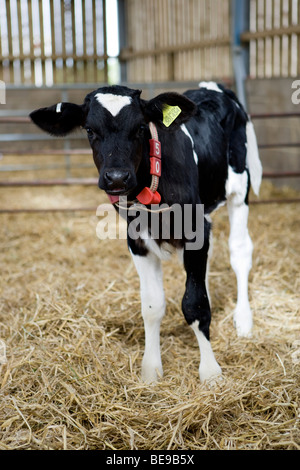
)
(113, 199)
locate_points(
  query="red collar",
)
(150, 195)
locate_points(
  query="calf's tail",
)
(253, 160)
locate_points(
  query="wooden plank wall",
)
(64, 41)
(191, 39)
(177, 40)
(274, 38)
(45, 42)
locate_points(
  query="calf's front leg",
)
(196, 309)
(149, 270)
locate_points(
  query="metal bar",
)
(279, 145)
(51, 182)
(29, 137)
(61, 209)
(93, 209)
(275, 115)
(15, 120)
(248, 36)
(7, 168)
(288, 174)
(46, 153)
(14, 112)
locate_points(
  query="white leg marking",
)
(209, 369)
(153, 310)
(241, 247)
(236, 186)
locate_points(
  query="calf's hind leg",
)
(241, 247)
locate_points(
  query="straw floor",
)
(70, 320)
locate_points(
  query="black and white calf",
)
(208, 156)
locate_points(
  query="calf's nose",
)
(116, 178)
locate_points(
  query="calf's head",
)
(116, 121)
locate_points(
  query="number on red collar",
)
(155, 166)
(155, 148)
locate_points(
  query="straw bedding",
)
(70, 319)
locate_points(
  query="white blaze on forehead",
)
(210, 86)
(113, 103)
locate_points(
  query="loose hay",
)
(70, 319)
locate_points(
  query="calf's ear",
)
(169, 110)
(59, 119)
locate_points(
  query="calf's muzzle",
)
(117, 180)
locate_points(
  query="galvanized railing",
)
(20, 117)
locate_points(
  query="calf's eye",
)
(141, 129)
(89, 132)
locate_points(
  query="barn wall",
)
(275, 96)
(46, 42)
(177, 40)
(191, 39)
(274, 38)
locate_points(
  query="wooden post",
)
(240, 19)
(53, 41)
(105, 41)
(122, 37)
(20, 34)
(10, 46)
(42, 43)
(74, 50)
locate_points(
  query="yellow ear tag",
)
(170, 113)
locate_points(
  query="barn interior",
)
(71, 331)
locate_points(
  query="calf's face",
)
(115, 126)
(116, 121)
